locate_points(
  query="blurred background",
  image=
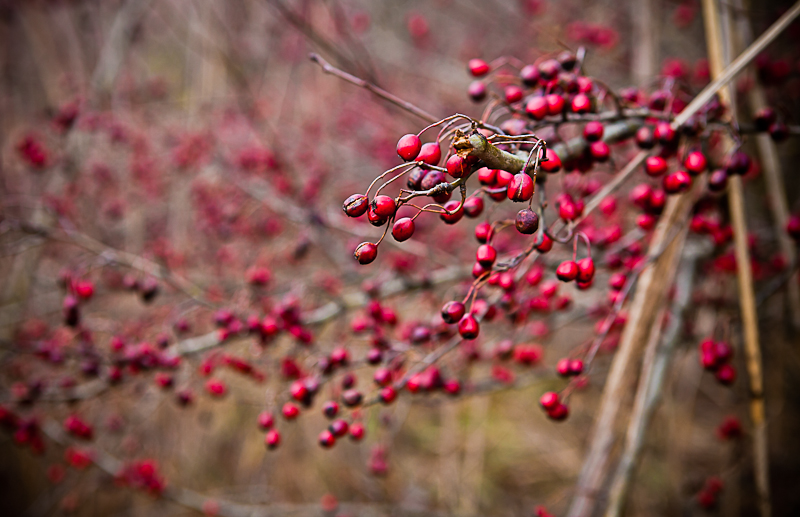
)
(199, 136)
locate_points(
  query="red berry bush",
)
(566, 296)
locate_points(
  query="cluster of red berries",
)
(715, 356)
(142, 475)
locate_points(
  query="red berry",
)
(326, 439)
(456, 215)
(338, 428)
(357, 431)
(726, 374)
(617, 281)
(655, 166)
(695, 163)
(457, 166)
(483, 232)
(352, 398)
(477, 91)
(388, 395)
(366, 252)
(513, 93)
(552, 163)
(585, 270)
(266, 420)
(486, 255)
(527, 221)
(676, 182)
(581, 103)
(478, 67)
(403, 229)
(559, 412)
(600, 151)
(593, 131)
(272, 439)
(555, 104)
(575, 367)
(290, 411)
(546, 244)
(529, 75)
(330, 409)
(356, 205)
(536, 108)
(645, 137)
(468, 327)
(487, 176)
(793, 227)
(520, 188)
(549, 68)
(408, 147)
(718, 180)
(562, 367)
(452, 312)
(384, 206)
(374, 219)
(664, 133)
(473, 207)
(567, 271)
(646, 221)
(430, 153)
(549, 400)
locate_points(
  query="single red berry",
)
(585, 270)
(299, 391)
(593, 131)
(382, 376)
(718, 180)
(483, 232)
(478, 67)
(403, 229)
(408, 147)
(778, 131)
(356, 205)
(585, 84)
(793, 227)
(599, 151)
(477, 91)
(555, 104)
(473, 207)
(266, 420)
(536, 108)
(521, 188)
(326, 439)
(338, 428)
(384, 206)
(330, 409)
(581, 103)
(529, 75)
(487, 176)
(457, 212)
(366, 252)
(527, 221)
(388, 394)
(738, 163)
(374, 356)
(575, 367)
(357, 431)
(726, 374)
(645, 137)
(655, 166)
(457, 166)
(646, 221)
(567, 210)
(552, 163)
(272, 439)
(549, 400)
(562, 367)
(559, 412)
(84, 289)
(567, 271)
(664, 133)
(374, 219)
(430, 153)
(452, 312)
(486, 255)
(290, 411)
(468, 327)
(676, 182)
(513, 93)
(656, 201)
(546, 244)
(549, 68)
(617, 281)
(352, 398)
(415, 177)
(695, 163)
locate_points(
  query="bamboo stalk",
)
(744, 273)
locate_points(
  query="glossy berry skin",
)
(403, 229)
(695, 163)
(299, 391)
(562, 367)
(388, 395)
(529, 75)
(272, 439)
(338, 428)
(468, 327)
(330, 409)
(453, 311)
(382, 377)
(473, 207)
(326, 439)
(430, 153)
(356, 205)
(553, 162)
(457, 166)
(593, 131)
(677, 182)
(478, 67)
(486, 255)
(536, 108)
(664, 133)
(655, 166)
(513, 93)
(408, 147)
(599, 151)
(549, 400)
(567, 271)
(521, 188)
(483, 232)
(415, 177)
(352, 398)
(527, 221)
(357, 431)
(555, 104)
(374, 219)
(265, 420)
(457, 212)
(366, 252)
(432, 179)
(546, 244)
(384, 206)
(575, 367)
(487, 176)
(581, 103)
(559, 413)
(290, 411)
(476, 91)
(585, 270)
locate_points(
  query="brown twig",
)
(744, 273)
